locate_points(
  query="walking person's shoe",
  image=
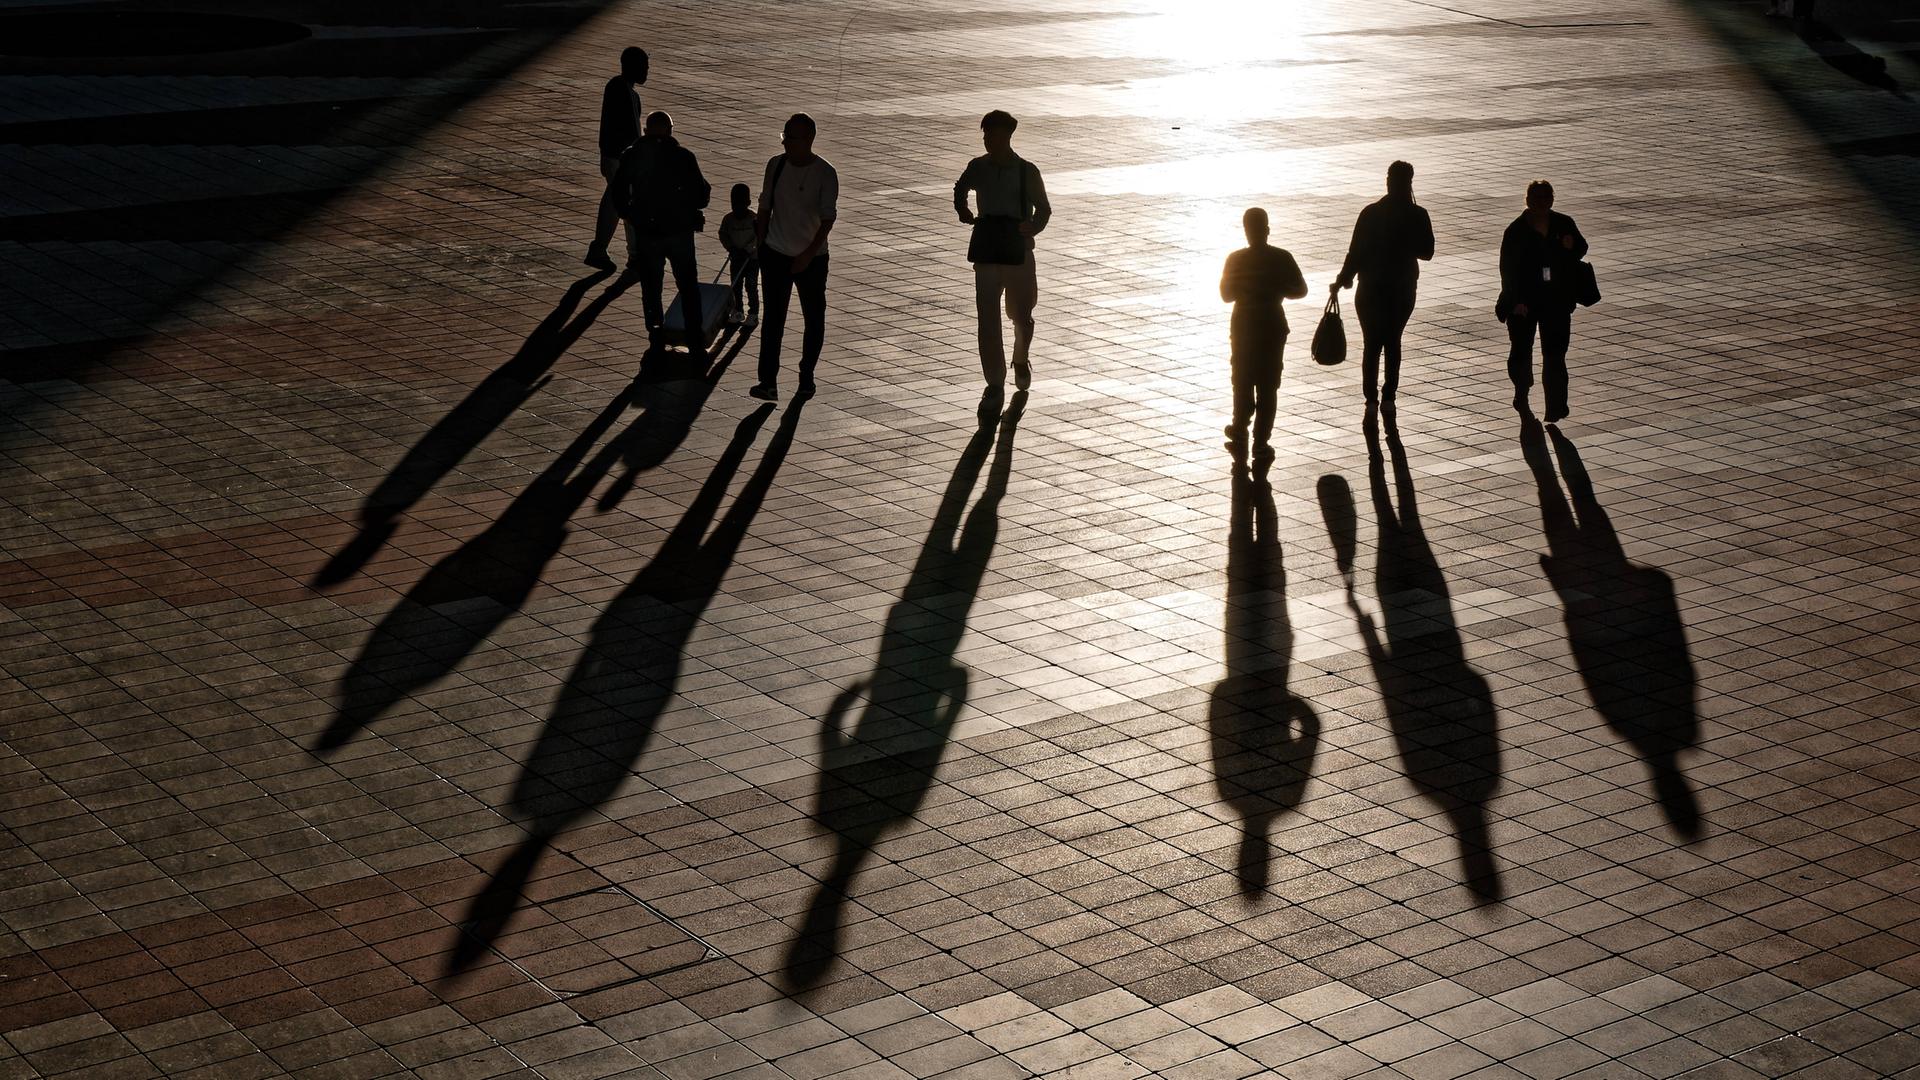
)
(805, 390)
(1263, 455)
(764, 392)
(1520, 400)
(598, 259)
(1236, 441)
(1022, 374)
(1554, 416)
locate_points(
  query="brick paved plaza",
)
(406, 673)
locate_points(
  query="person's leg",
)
(812, 287)
(1366, 311)
(1520, 356)
(651, 259)
(988, 285)
(753, 287)
(1023, 292)
(607, 218)
(1555, 332)
(1266, 400)
(776, 271)
(1395, 325)
(686, 278)
(1243, 407)
(736, 297)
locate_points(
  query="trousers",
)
(609, 214)
(1020, 287)
(778, 283)
(655, 252)
(1256, 388)
(1555, 330)
(1383, 315)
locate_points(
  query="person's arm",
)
(1512, 288)
(764, 213)
(1230, 280)
(1036, 195)
(1356, 249)
(960, 189)
(1293, 285)
(1573, 243)
(829, 207)
(700, 192)
(1423, 244)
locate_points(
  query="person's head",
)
(798, 135)
(659, 125)
(742, 195)
(1539, 195)
(1400, 180)
(633, 63)
(996, 130)
(1255, 220)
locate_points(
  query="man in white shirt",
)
(1013, 208)
(797, 206)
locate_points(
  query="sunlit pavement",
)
(394, 683)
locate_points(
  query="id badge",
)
(1546, 273)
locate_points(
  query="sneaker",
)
(1263, 452)
(764, 392)
(1022, 375)
(1235, 433)
(1554, 416)
(597, 258)
(734, 318)
(805, 391)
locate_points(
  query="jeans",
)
(1555, 330)
(1383, 319)
(655, 250)
(1021, 288)
(779, 284)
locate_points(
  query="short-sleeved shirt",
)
(807, 196)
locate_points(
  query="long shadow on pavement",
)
(1438, 707)
(878, 774)
(626, 674)
(453, 436)
(1623, 624)
(1263, 737)
(429, 631)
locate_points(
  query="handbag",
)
(996, 237)
(1330, 337)
(1585, 289)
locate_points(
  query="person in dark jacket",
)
(619, 128)
(1255, 280)
(1390, 239)
(1538, 256)
(661, 194)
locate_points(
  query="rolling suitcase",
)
(715, 299)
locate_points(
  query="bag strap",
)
(773, 186)
(1333, 305)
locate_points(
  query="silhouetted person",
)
(620, 113)
(627, 674)
(1256, 279)
(1439, 708)
(1013, 210)
(1623, 624)
(737, 236)
(1537, 259)
(798, 203)
(1262, 737)
(1391, 238)
(879, 774)
(662, 194)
